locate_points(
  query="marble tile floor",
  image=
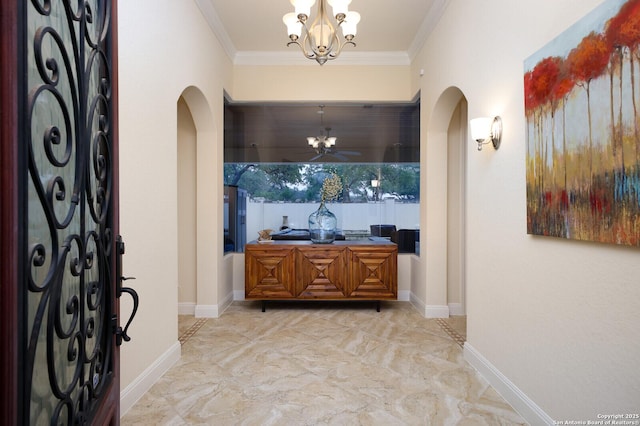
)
(321, 363)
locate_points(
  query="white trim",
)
(217, 27)
(417, 303)
(520, 402)
(136, 389)
(428, 25)
(429, 311)
(188, 308)
(436, 311)
(207, 311)
(456, 309)
(404, 295)
(294, 58)
(226, 302)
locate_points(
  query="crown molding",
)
(296, 58)
(211, 16)
(428, 25)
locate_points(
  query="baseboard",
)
(436, 311)
(207, 311)
(187, 308)
(417, 303)
(529, 410)
(456, 309)
(136, 389)
(226, 302)
(404, 295)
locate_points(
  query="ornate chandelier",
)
(321, 41)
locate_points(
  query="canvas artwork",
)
(582, 96)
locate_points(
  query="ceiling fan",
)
(324, 144)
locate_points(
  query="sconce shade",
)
(480, 128)
(486, 130)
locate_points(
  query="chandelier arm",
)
(334, 41)
(304, 52)
(306, 42)
(334, 55)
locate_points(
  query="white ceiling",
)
(252, 32)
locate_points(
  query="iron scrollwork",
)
(69, 360)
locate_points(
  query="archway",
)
(457, 145)
(446, 126)
(198, 257)
(186, 203)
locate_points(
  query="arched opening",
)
(456, 197)
(444, 158)
(187, 215)
(199, 252)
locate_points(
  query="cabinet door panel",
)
(269, 273)
(321, 272)
(373, 273)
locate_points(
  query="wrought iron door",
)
(68, 272)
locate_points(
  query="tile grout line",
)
(192, 330)
(451, 332)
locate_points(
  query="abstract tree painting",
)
(582, 95)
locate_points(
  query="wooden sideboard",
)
(358, 270)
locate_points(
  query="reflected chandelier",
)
(323, 143)
(321, 41)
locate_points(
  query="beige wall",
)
(559, 319)
(166, 50)
(331, 82)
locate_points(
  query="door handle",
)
(121, 334)
(134, 295)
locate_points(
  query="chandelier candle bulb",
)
(349, 25)
(294, 27)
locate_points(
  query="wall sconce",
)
(486, 130)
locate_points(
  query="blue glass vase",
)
(322, 225)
